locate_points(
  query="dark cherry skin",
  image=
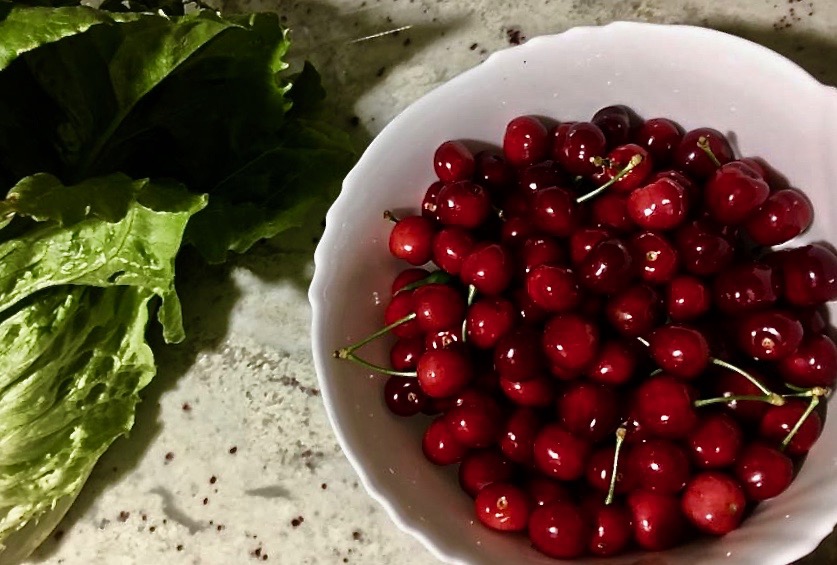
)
(583, 240)
(400, 306)
(659, 465)
(764, 471)
(450, 247)
(518, 435)
(559, 530)
(809, 275)
(493, 171)
(655, 257)
(814, 363)
(778, 421)
(404, 353)
(635, 311)
(610, 211)
(617, 160)
(515, 230)
(714, 502)
(553, 288)
(615, 122)
(660, 137)
(600, 469)
(444, 372)
(560, 454)
(503, 506)
(439, 445)
(783, 216)
(614, 364)
(658, 522)
(476, 424)
(516, 203)
(543, 491)
(430, 202)
(539, 250)
(557, 135)
(703, 251)
(661, 205)
(453, 162)
(528, 312)
(732, 195)
(746, 287)
(526, 141)
(438, 307)
(687, 298)
(663, 405)
(570, 341)
(517, 356)
(726, 383)
(590, 411)
(692, 160)
(403, 396)
(463, 203)
(488, 319)
(583, 141)
(555, 212)
(489, 268)
(679, 350)
(539, 392)
(541, 175)
(411, 240)
(716, 441)
(608, 267)
(611, 529)
(482, 468)
(694, 191)
(408, 276)
(769, 335)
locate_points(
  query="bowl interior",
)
(769, 107)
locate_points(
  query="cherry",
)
(615, 123)
(635, 311)
(408, 277)
(403, 396)
(783, 216)
(660, 137)
(583, 240)
(687, 298)
(559, 530)
(814, 363)
(515, 203)
(463, 203)
(444, 372)
(810, 275)
(482, 468)
(660, 466)
(745, 287)
(560, 454)
(555, 212)
(543, 491)
(703, 251)
(714, 502)
(764, 471)
(453, 162)
(663, 405)
(679, 350)
(694, 161)
(442, 339)
(515, 230)
(769, 335)
(503, 506)
(439, 445)
(583, 142)
(488, 320)
(488, 268)
(517, 439)
(398, 308)
(517, 356)
(617, 160)
(614, 364)
(450, 247)
(430, 202)
(570, 341)
(608, 267)
(538, 392)
(438, 307)
(732, 195)
(526, 141)
(611, 530)
(655, 257)
(538, 250)
(610, 210)
(778, 422)
(492, 171)
(661, 205)
(657, 520)
(728, 384)
(588, 410)
(529, 312)
(600, 470)
(411, 240)
(554, 289)
(404, 354)
(715, 442)
(475, 424)
(540, 176)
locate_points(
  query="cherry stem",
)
(346, 352)
(472, 292)
(773, 399)
(815, 399)
(635, 160)
(377, 368)
(434, 277)
(807, 393)
(388, 215)
(703, 143)
(744, 374)
(620, 437)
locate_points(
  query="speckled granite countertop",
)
(232, 459)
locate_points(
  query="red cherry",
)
(488, 320)
(537, 250)
(600, 469)
(463, 203)
(615, 122)
(526, 141)
(814, 363)
(430, 202)
(438, 307)
(403, 396)
(611, 530)
(453, 162)
(764, 471)
(492, 171)
(589, 411)
(442, 339)
(660, 137)
(515, 230)
(617, 160)
(475, 424)
(583, 142)
(703, 251)
(660, 205)
(543, 491)
(769, 335)
(538, 392)
(482, 468)
(404, 354)
(555, 212)
(746, 287)
(660, 466)
(679, 350)
(559, 530)
(398, 308)
(450, 247)
(614, 364)
(663, 405)
(714, 502)
(553, 288)
(694, 161)
(687, 298)
(570, 341)
(810, 275)
(503, 507)
(655, 257)
(610, 210)
(560, 454)
(657, 520)
(517, 356)
(444, 372)
(731, 196)
(583, 240)
(784, 215)
(439, 445)
(527, 310)
(635, 311)
(488, 268)
(540, 176)
(407, 277)
(778, 422)
(411, 240)
(715, 442)
(608, 267)
(517, 439)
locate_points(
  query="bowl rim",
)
(319, 283)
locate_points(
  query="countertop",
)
(232, 459)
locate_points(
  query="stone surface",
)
(232, 459)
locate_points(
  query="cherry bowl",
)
(768, 107)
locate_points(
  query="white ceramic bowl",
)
(770, 107)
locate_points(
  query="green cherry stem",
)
(377, 368)
(744, 374)
(815, 400)
(440, 277)
(703, 144)
(808, 392)
(472, 293)
(620, 437)
(773, 399)
(346, 352)
(635, 160)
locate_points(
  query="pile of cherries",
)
(609, 347)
